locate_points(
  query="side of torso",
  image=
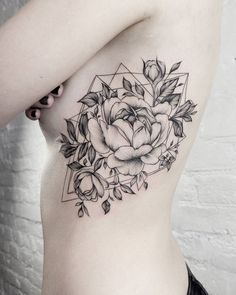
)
(131, 246)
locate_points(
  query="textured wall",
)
(204, 209)
(20, 229)
(21, 247)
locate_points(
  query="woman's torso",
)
(130, 249)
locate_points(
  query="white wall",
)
(204, 209)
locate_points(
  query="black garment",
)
(194, 286)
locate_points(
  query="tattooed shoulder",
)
(128, 126)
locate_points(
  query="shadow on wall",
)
(22, 150)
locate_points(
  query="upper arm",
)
(47, 41)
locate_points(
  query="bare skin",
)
(130, 250)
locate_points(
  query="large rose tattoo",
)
(132, 134)
(125, 132)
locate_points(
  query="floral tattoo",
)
(128, 127)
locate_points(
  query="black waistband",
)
(194, 286)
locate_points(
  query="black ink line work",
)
(128, 127)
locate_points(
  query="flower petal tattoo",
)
(128, 126)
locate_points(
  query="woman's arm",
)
(47, 41)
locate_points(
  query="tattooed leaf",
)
(127, 85)
(68, 150)
(106, 206)
(64, 138)
(75, 166)
(175, 67)
(85, 161)
(168, 166)
(80, 212)
(116, 179)
(187, 118)
(145, 185)
(141, 177)
(91, 154)
(98, 164)
(85, 209)
(105, 90)
(82, 150)
(172, 99)
(178, 127)
(139, 89)
(90, 99)
(71, 130)
(83, 125)
(117, 193)
(126, 189)
(184, 109)
(128, 93)
(133, 181)
(168, 87)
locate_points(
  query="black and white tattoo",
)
(129, 126)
